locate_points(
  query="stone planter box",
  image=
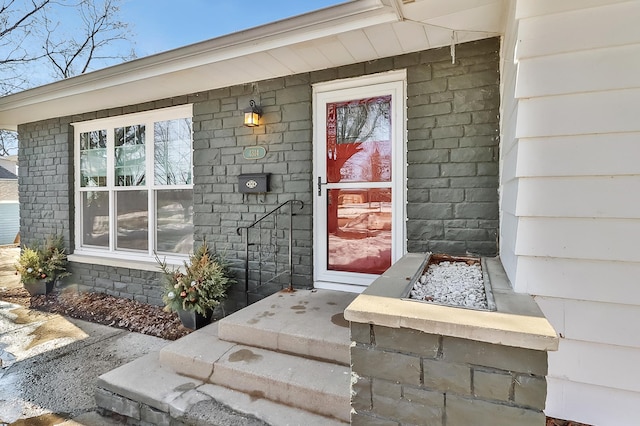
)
(424, 363)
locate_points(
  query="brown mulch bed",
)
(103, 309)
(558, 422)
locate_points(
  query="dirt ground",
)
(559, 422)
(108, 310)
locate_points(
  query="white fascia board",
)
(314, 25)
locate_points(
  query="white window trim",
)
(110, 256)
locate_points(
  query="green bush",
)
(46, 261)
(200, 286)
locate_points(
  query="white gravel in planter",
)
(452, 283)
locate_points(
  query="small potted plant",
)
(196, 289)
(41, 266)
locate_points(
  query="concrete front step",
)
(316, 386)
(195, 354)
(290, 350)
(309, 323)
(146, 392)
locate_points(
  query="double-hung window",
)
(134, 185)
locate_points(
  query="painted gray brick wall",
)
(404, 376)
(219, 140)
(453, 127)
(452, 162)
(143, 286)
(45, 183)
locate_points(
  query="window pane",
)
(174, 221)
(359, 140)
(96, 139)
(173, 152)
(130, 156)
(95, 218)
(359, 226)
(132, 220)
(93, 158)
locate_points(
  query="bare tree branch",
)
(8, 143)
(62, 37)
(12, 27)
(100, 29)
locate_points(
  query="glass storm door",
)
(359, 172)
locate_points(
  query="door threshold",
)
(347, 288)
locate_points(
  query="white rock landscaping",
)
(452, 283)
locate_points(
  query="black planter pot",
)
(37, 287)
(193, 320)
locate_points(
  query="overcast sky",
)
(161, 25)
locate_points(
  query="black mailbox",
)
(253, 183)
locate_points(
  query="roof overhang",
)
(356, 31)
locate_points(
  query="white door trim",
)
(394, 83)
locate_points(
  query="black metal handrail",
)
(274, 213)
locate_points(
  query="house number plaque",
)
(254, 152)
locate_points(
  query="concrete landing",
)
(307, 322)
(283, 358)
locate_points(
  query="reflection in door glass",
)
(359, 140)
(359, 228)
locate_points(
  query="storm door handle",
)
(320, 183)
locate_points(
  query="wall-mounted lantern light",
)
(252, 114)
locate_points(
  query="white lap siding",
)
(570, 206)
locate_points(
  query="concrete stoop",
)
(281, 361)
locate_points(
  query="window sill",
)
(119, 263)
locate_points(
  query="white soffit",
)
(359, 30)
